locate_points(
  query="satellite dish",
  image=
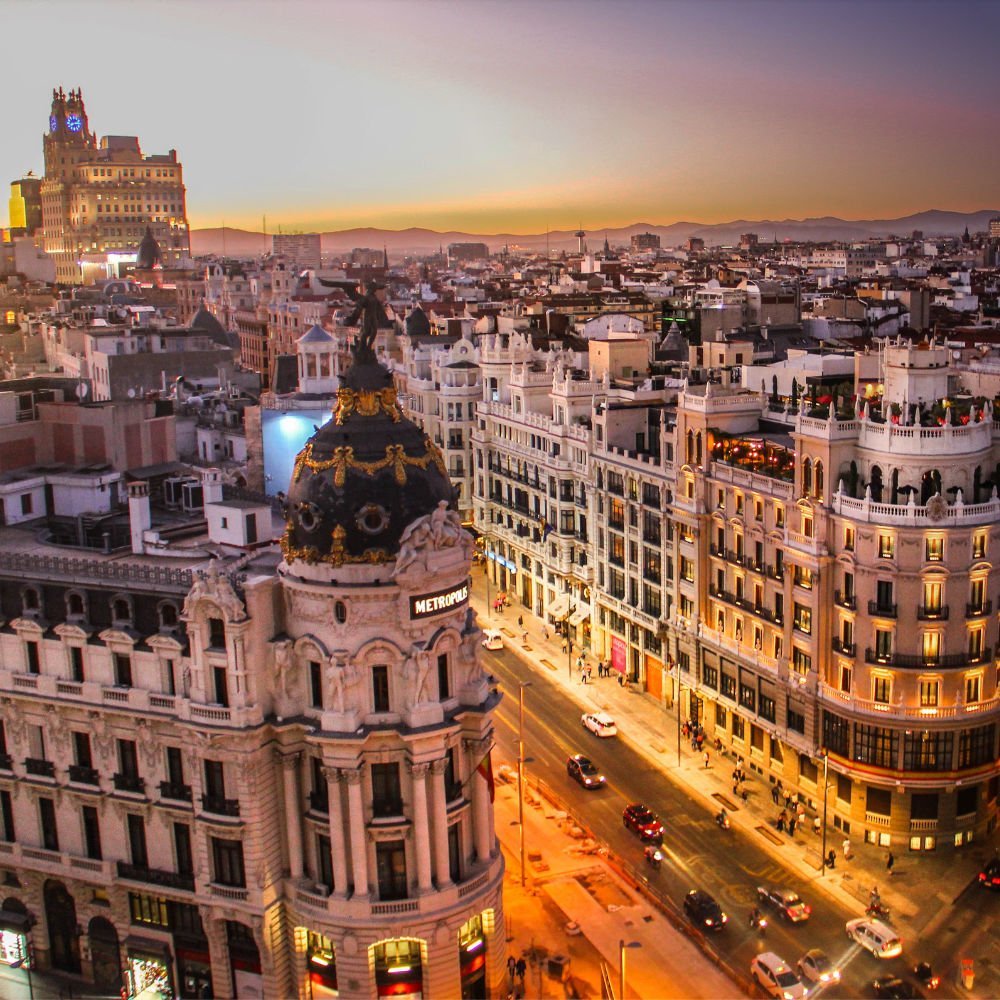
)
(81, 390)
(131, 394)
(956, 354)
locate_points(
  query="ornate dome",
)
(365, 475)
(149, 254)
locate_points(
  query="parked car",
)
(493, 639)
(894, 988)
(704, 910)
(583, 770)
(599, 723)
(785, 902)
(775, 977)
(989, 877)
(642, 822)
(815, 967)
(878, 938)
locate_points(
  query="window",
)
(801, 661)
(452, 784)
(324, 861)
(802, 577)
(739, 727)
(380, 688)
(975, 746)
(973, 688)
(390, 862)
(687, 569)
(846, 678)
(444, 685)
(91, 833)
(886, 548)
(7, 818)
(836, 734)
(123, 669)
(319, 798)
(848, 539)
(227, 862)
(768, 709)
(220, 683)
(979, 545)
(875, 745)
(316, 683)
(175, 766)
(76, 664)
(150, 910)
(387, 797)
(802, 617)
(31, 650)
(934, 548)
(182, 849)
(47, 819)
(807, 525)
(710, 677)
(976, 644)
(748, 697)
(932, 598)
(883, 644)
(216, 633)
(728, 686)
(929, 688)
(215, 779)
(128, 759)
(881, 689)
(779, 515)
(927, 751)
(26, 503)
(81, 749)
(137, 841)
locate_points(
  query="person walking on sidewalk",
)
(522, 969)
(706, 758)
(889, 862)
(520, 621)
(846, 849)
(511, 969)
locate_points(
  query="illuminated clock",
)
(53, 123)
(74, 122)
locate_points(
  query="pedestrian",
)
(685, 730)
(791, 826)
(736, 787)
(700, 739)
(846, 848)
(511, 969)
(817, 826)
(774, 794)
(889, 862)
(520, 621)
(565, 646)
(706, 758)
(744, 794)
(590, 670)
(583, 676)
(780, 824)
(718, 745)
(524, 637)
(831, 859)
(545, 633)
(621, 680)
(522, 968)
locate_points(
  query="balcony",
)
(775, 572)
(844, 648)
(922, 660)
(979, 609)
(220, 806)
(129, 783)
(43, 768)
(881, 610)
(83, 775)
(156, 876)
(933, 614)
(845, 600)
(175, 790)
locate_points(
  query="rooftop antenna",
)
(223, 237)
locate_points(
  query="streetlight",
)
(520, 771)
(569, 644)
(622, 945)
(826, 799)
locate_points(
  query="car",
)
(703, 910)
(493, 639)
(875, 936)
(599, 723)
(786, 902)
(642, 822)
(894, 988)
(583, 770)
(989, 877)
(775, 977)
(815, 967)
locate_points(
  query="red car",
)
(643, 822)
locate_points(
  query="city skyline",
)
(567, 117)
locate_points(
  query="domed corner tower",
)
(396, 873)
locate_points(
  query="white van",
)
(493, 639)
(874, 935)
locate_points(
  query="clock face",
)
(74, 122)
(53, 123)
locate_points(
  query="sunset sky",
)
(515, 117)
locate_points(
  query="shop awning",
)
(559, 607)
(11, 920)
(581, 614)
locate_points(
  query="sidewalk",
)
(575, 907)
(919, 894)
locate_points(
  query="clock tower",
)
(69, 138)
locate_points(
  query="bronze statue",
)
(372, 316)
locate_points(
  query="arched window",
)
(75, 607)
(689, 450)
(807, 477)
(876, 484)
(697, 449)
(168, 615)
(818, 476)
(121, 609)
(31, 600)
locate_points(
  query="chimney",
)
(211, 485)
(139, 517)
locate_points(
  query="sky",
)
(517, 117)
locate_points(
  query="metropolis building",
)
(236, 771)
(99, 199)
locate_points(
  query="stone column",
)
(439, 808)
(338, 842)
(482, 828)
(218, 953)
(421, 828)
(356, 818)
(293, 811)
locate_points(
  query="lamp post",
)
(486, 570)
(569, 645)
(826, 797)
(622, 945)
(520, 771)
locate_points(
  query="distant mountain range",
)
(240, 243)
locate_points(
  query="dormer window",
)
(75, 607)
(121, 611)
(168, 615)
(31, 601)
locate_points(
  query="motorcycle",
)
(877, 909)
(757, 920)
(654, 856)
(925, 976)
(723, 820)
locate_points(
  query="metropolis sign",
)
(424, 605)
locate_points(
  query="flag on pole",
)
(486, 770)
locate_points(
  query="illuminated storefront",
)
(322, 966)
(147, 970)
(399, 969)
(14, 939)
(472, 958)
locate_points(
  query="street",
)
(729, 864)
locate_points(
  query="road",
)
(727, 864)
